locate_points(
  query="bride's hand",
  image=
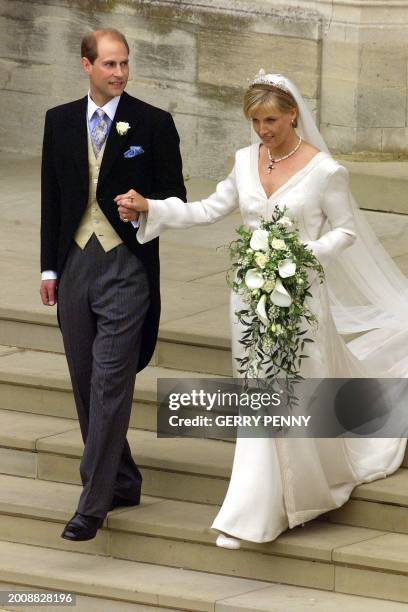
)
(130, 204)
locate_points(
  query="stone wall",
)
(194, 57)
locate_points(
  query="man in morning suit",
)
(105, 284)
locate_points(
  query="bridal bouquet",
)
(271, 267)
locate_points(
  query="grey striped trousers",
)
(103, 298)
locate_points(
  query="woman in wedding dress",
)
(278, 483)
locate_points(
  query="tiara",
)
(277, 80)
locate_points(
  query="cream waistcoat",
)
(94, 220)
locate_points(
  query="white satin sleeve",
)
(174, 213)
(338, 209)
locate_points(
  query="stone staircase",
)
(161, 555)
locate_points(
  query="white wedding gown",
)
(278, 483)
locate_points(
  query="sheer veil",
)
(368, 292)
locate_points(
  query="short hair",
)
(89, 44)
(269, 97)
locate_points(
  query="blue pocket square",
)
(133, 151)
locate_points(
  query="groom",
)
(106, 283)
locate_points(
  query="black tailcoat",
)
(156, 173)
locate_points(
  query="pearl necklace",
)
(270, 165)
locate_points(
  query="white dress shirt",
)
(110, 109)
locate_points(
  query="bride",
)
(278, 483)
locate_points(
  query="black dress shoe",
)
(119, 502)
(82, 527)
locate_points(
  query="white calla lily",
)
(279, 296)
(259, 240)
(287, 268)
(261, 310)
(254, 279)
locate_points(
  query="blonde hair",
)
(268, 97)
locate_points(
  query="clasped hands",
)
(130, 204)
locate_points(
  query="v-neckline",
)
(255, 158)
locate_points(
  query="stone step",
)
(382, 504)
(176, 534)
(186, 344)
(379, 185)
(179, 348)
(39, 382)
(105, 584)
(49, 448)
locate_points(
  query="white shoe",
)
(225, 541)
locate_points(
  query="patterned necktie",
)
(99, 131)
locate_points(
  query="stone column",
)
(363, 105)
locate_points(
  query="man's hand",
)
(48, 292)
(130, 204)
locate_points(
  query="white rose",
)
(279, 296)
(254, 279)
(261, 311)
(122, 127)
(259, 240)
(261, 259)
(285, 222)
(287, 268)
(278, 244)
(268, 286)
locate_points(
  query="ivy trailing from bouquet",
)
(270, 271)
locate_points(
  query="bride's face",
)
(273, 127)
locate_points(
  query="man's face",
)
(109, 73)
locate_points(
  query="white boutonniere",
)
(122, 127)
